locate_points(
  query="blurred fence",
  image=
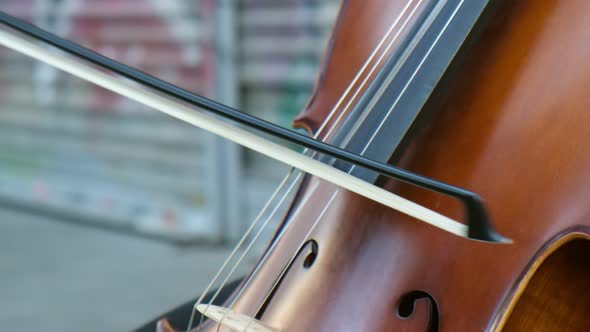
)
(69, 148)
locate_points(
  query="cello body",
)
(513, 125)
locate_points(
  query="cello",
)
(484, 95)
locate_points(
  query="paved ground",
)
(62, 277)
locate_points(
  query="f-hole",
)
(310, 250)
(407, 304)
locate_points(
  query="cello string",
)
(240, 243)
(246, 251)
(383, 54)
(327, 120)
(345, 142)
(339, 189)
(341, 114)
(320, 130)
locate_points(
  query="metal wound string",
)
(344, 142)
(338, 190)
(333, 196)
(299, 175)
(348, 105)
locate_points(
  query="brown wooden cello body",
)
(513, 126)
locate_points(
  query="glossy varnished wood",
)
(514, 127)
(557, 296)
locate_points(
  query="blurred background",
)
(111, 213)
